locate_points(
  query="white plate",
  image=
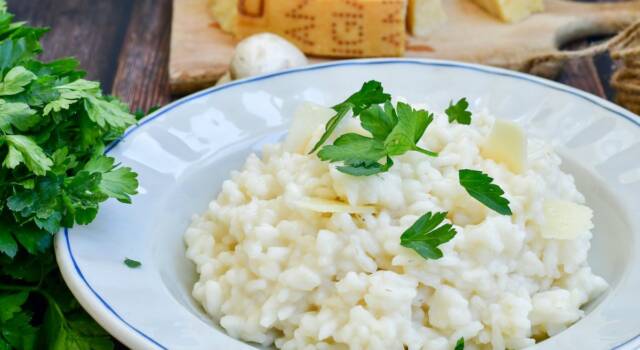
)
(184, 151)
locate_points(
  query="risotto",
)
(297, 254)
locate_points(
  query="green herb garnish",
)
(458, 112)
(54, 127)
(481, 187)
(424, 236)
(370, 94)
(408, 130)
(15, 80)
(394, 131)
(132, 263)
(460, 344)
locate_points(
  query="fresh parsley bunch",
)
(54, 126)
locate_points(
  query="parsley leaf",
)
(407, 132)
(460, 344)
(11, 304)
(108, 113)
(75, 331)
(15, 80)
(18, 115)
(21, 46)
(8, 244)
(39, 202)
(32, 239)
(379, 122)
(82, 195)
(18, 333)
(370, 94)
(70, 93)
(120, 183)
(22, 149)
(458, 112)
(365, 168)
(132, 263)
(481, 187)
(353, 147)
(116, 182)
(425, 235)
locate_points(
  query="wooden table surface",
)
(125, 45)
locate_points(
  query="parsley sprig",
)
(371, 93)
(54, 126)
(426, 234)
(394, 131)
(458, 112)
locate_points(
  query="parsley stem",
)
(332, 124)
(427, 152)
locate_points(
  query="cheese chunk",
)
(565, 220)
(307, 127)
(506, 144)
(224, 12)
(424, 16)
(332, 28)
(511, 10)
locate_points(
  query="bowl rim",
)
(127, 333)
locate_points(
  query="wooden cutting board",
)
(201, 51)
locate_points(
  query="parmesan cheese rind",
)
(330, 28)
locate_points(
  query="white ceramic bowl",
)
(184, 151)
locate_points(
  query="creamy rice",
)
(275, 271)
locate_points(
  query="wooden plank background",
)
(125, 45)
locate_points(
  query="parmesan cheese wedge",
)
(332, 28)
(565, 220)
(511, 10)
(307, 127)
(321, 205)
(506, 144)
(424, 16)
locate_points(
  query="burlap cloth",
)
(625, 47)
